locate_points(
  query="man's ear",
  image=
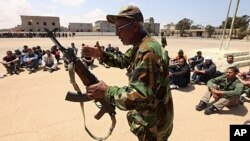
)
(135, 26)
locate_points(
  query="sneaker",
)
(210, 110)
(173, 86)
(202, 105)
(247, 122)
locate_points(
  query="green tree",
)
(240, 23)
(183, 25)
(210, 29)
(196, 27)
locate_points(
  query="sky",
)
(203, 12)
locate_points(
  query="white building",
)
(168, 29)
(38, 23)
(80, 27)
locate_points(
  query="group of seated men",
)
(203, 69)
(30, 58)
(228, 86)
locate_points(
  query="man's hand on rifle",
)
(97, 90)
(95, 52)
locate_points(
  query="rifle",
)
(87, 79)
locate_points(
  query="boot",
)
(202, 105)
(210, 110)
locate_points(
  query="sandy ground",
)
(33, 108)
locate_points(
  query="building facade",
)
(104, 26)
(80, 27)
(152, 27)
(38, 23)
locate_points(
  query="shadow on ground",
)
(189, 88)
(239, 110)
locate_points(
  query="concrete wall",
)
(95, 34)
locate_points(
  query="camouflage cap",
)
(130, 12)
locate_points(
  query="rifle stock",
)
(86, 77)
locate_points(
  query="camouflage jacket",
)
(148, 95)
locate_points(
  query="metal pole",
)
(225, 24)
(232, 24)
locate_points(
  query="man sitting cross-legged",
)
(10, 62)
(225, 89)
(31, 61)
(179, 75)
(204, 71)
(49, 62)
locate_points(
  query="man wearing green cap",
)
(147, 96)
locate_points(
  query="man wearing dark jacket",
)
(179, 74)
(195, 60)
(204, 71)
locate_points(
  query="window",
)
(37, 23)
(44, 23)
(53, 24)
(29, 23)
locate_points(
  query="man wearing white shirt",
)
(49, 61)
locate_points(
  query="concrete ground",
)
(33, 108)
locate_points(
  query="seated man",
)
(110, 48)
(226, 64)
(24, 52)
(49, 62)
(204, 71)
(225, 89)
(195, 60)
(118, 52)
(10, 62)
(88, 61)
(179, 75)
(31, 60)
(179, 56)
(18, 54)
(244, 77)
(56, 53)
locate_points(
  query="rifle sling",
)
(71, 69)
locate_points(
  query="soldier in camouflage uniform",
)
(147, 97)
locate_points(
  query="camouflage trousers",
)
(159, 130)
